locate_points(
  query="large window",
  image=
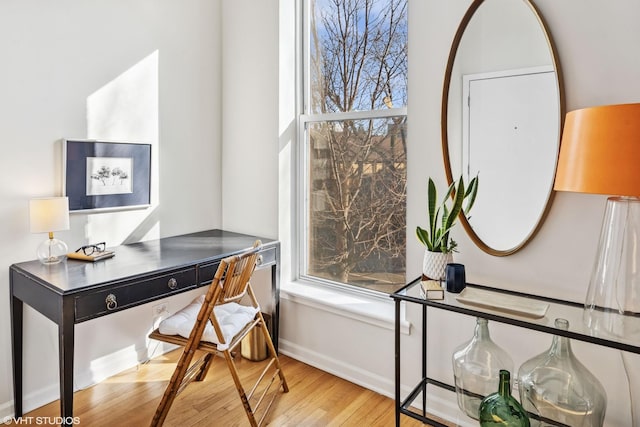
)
(353, 160)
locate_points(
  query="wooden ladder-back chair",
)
(212, 336)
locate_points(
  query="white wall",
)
(594, 41)
(250, 116)
(143, 70)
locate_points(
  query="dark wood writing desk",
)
(75, 291)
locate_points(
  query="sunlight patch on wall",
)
(102, 368)
(126, 108)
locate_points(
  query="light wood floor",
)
(316, 398)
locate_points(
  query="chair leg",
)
(272, 350)
(240, 388)
(267, 337)
(172, 388)
(274, 363)
(208, 359)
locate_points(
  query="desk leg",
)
(65, 346)
(16, 353)
(275, 296)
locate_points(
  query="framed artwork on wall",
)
(106, 175)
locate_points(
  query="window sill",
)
(365, 308)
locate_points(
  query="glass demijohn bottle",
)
(556, 386)
(476, 368)
(502, 409)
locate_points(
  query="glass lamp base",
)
(630, 362)
(612, 305)
(613, 298)
(52, 251)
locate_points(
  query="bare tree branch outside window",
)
(357, 176)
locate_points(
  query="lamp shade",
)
(49, 214)
(600, 151)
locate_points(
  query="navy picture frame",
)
(78, 179)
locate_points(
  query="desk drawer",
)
(267, 258)
(133, 293)
(206, 272)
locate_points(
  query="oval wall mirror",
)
(502, 114)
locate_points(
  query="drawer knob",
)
(173, 283)
(259, 260)
(111, 302)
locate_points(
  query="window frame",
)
(302, 159)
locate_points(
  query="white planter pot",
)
(434, 264)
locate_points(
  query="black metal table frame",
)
(403, 406)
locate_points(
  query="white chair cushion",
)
(231, 316)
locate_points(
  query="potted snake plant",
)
(442, 216)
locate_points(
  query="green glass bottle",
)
(502, 409)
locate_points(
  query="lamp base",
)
(630, 362)
(612, 305)
(52, 251)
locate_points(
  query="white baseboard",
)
(107, 366)
(31, 401)
(352, 373)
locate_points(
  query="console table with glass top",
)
(571, 311)
(76, 291)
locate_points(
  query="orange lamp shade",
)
(600, 151)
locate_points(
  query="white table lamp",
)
(46, 216)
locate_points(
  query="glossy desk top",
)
(137, 259)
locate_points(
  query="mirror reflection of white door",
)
(506, 116)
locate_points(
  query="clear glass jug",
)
(476, 368)
(556, 386)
